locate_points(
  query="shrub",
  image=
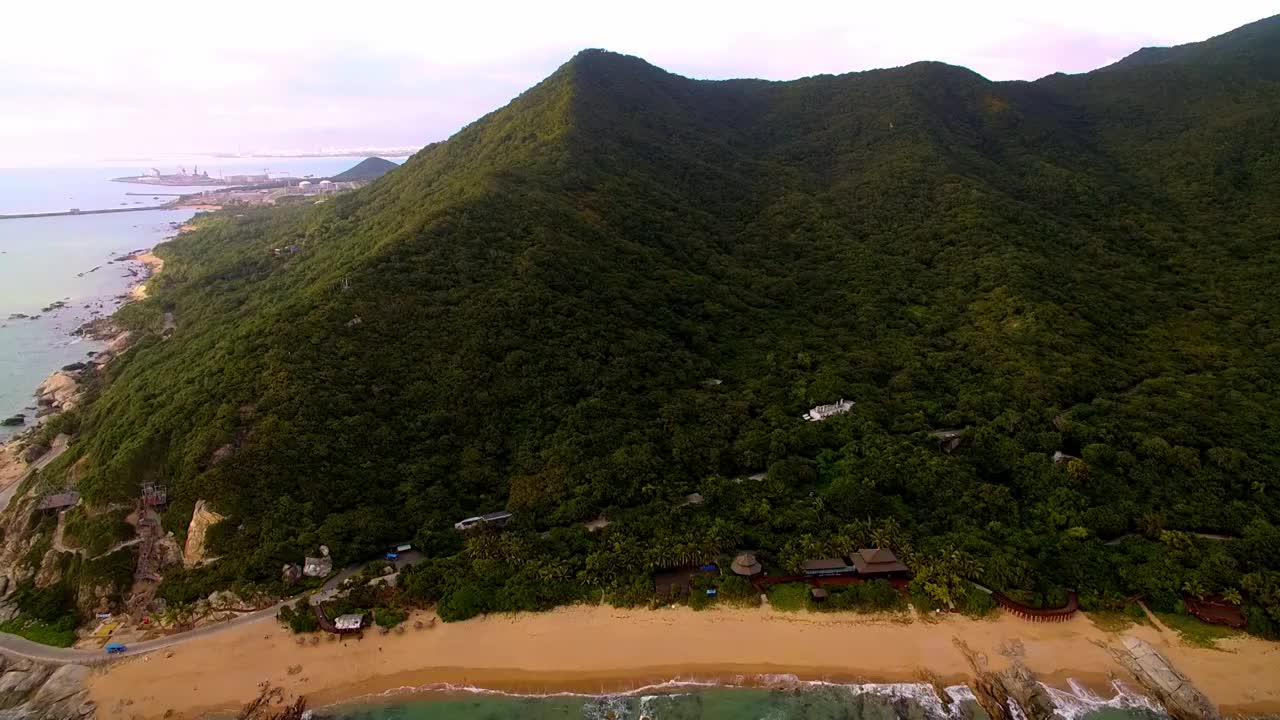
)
(789, 597)
(389, 617)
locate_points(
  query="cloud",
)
(90, 79)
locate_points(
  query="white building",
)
(822, 412)
(348, 623)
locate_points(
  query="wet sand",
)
(600, 649)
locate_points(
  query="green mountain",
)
(370, 168)
(628, 286)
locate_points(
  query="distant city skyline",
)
(138, 79)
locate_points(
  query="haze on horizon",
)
(98, 81)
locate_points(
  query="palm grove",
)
(627, 286)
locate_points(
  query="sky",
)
(84, 80)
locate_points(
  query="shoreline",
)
(136, 290)
(601, 650)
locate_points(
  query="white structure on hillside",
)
(822, 412)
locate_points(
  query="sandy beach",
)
(153, 265)
(601, 649)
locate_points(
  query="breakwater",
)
(60, 213)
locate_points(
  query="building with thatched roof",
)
(746, 565)
(877, 561)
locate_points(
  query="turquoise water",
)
(792, 700)
(43, 260)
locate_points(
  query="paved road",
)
(22, 647)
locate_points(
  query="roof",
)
(499, 515)
(349, 622)
(746, 564)
(877, 560)
(60, 500)
(817, 593)
(825, 564)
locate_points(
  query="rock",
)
(167, 551)
(221, 599)
(202, 518)
(291, 574)
(74, 367)
(98, 329)
(58, 391)
(317, 567)
(34, 453)
(120, 343)
(1182, 699)
(62, 684)
(19, 684)
(14, 420)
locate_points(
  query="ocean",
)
(773, 698)
(70, 259)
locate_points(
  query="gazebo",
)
(746, 565)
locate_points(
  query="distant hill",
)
(370, 168)
(628, 286)
(1253, 44)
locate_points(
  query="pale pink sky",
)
(90, 80)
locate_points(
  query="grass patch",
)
(1195, 632)
(59, 634)
(1114, 621)
(789, 597)
(95, 533)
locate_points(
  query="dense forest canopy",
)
(627, 286)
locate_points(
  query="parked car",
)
(116, 648)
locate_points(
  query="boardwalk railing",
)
(1027, 612)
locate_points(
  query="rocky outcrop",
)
(1182, 699)
(59, 392)
(120, 343)
(202, 519)
(31, 691)
(999, 691)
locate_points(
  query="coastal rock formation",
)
(203, 518)
(31, 691)
(58, 392)
(103, 328)
(120, 343)
(1182, 699)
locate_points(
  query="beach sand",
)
(601, 649)
(154, 265)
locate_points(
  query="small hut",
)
(746, 565)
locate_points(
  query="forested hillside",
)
(628, 286)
